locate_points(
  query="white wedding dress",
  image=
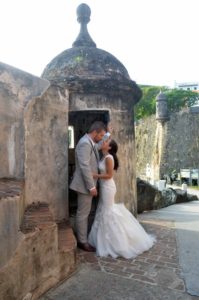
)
(115, 231)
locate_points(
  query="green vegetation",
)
(177, 99)
(195, 187)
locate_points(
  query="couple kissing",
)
(115, 231)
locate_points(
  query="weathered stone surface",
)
(146, 194)
(16, 90)
(46, 145)
(10, 187)
(183, 196)
(120, 114)
(165, 198)
(180, 143)
(84, 61)
(98, 81)
(38, 263)
(43, 256)
(11, 209)
(149, 197)
(162, 113)
(192, 197)
(145, 139)
(36, 215)
(91, 70)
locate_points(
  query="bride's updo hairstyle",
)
(113, 151)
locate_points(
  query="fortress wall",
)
(17, 88)
(180, 143)
(46, 148)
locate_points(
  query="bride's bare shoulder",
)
(109, 156)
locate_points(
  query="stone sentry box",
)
(83, 84)
(99, 89)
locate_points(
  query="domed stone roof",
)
(86, 67)
(84, 59)
(84, 62)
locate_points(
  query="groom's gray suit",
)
(86, 160)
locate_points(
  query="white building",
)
(188, 86)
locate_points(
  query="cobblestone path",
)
(153, 275)
(158, 266)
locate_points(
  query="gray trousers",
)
(83, 211)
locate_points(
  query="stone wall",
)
(46, 148)
(173, 146)
(11, 211)
(120, 113)
(28, 102)
(182, 142)
(37, 265)
(16, 89)
(33, 146)
(36, 253)
(145, 140)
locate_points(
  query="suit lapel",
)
(94, 149)
(96, 152)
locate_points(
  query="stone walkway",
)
(159, 265)
(186, 216)
(155, 274)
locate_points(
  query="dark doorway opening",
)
(79, 123)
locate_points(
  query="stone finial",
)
(162, 114)
(83, 17)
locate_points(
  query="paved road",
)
(186, 218)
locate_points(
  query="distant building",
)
(188, 86)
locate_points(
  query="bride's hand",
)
(95, 176)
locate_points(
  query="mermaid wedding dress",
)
(115, 231)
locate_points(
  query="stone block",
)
(46, 147)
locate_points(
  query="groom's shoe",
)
(86, 247)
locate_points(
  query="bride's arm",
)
(109, 170)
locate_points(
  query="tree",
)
(146, 106)
(177, 99)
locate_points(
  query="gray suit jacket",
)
(86, 163)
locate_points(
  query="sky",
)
(156, 40)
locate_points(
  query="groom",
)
(86, 161)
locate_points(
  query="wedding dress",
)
(115, 231)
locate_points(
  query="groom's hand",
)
(95, 175)
(93, 192)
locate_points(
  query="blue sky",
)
(156, 40)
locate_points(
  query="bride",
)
(115, 231)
